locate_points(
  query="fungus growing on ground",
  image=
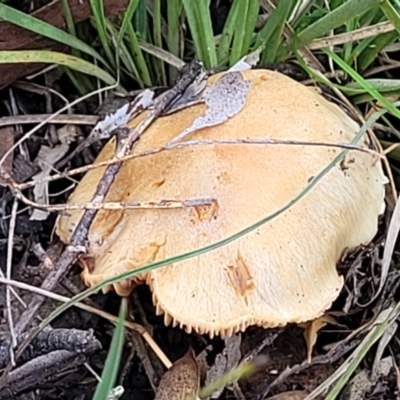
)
(282, 272)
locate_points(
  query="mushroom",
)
(282, 272)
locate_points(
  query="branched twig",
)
(78, 242)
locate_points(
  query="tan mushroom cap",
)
(284, 271)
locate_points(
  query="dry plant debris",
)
(284, 271)
(181, 381)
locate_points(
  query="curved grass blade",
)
(365, 86)
(344, 372)
(363, 83)
(53, 57)
(339, 16)
(127, 19)
(44, 29)
(387, 87)
(223, 242)
(391, 13)
(111, 367)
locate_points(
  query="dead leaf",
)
(311, 330)
(295, 395)
(181, 381)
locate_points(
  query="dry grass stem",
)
(352, 36)
(64, 299)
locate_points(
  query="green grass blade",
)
(373, 48)
(44, 29)
(391, 13)
(127, 18)
(223, 242)
(100, 23)
(111, 367)
(199, 20)
(228, 30)
(363, 83)
(79, 85)
(137, 54)
(53, 57)
(174, 9)
(68, 17)
(157, 40)
(338, 17)
(243, 30)
(141, 24)
(360, 353)
(126, 21)
(271, 34)
(381, 85)
(252, 16)
(348, 47)
(124, 56)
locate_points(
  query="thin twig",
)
(205, 142)
(78, 240)
(64, 299)
(162, 204)
(10, 243)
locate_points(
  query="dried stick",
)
(130, 325)
(8, 274)
(43, 367)
(78, 242)
(116, 205)
(200, 142)
(49, 340)
(75, 119)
